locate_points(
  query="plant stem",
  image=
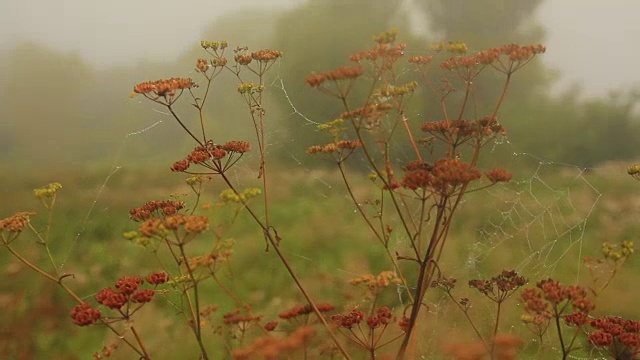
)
(275, 243)
(557, 321)
(195, 313)
(422, 282)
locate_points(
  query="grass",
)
(322, 236)
(252, 257)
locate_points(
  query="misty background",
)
(67, 69)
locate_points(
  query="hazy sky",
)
(592, 42)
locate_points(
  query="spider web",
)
(539, 218)
(536, 223)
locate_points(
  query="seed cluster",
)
(202, 155)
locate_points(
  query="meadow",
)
(248, 258)
(330, 250)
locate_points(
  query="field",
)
(542, 224)
(389, 236)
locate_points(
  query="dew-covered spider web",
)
(538, 221)
(541, 217)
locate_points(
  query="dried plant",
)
(417, 198)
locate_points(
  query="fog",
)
(118, 31)
(590, 42)
(577, 103)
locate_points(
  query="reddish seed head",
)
(157, 278)
(315, 80)
(180, 166)
(84, 314)
(295, 311)
(17, 222)
(128, 284)
(420, 60)
(349, 320)
(163, 87)
(266, 55)
(234, 317)
(111, 298)
(498, 175)
(155, 208)
(632, 326)
(142, 296)
(237, 146)
(270, 326)
(577, 318)
(325, 307)
(404, 323)
(243, 59)
(630, 340)
(600, 338)
(373, 322)
(384, 314)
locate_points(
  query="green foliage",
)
(566, 128)
(42, 88)
(573, 130)
(82, 112)
(560, 128)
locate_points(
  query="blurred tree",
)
(483, 23)
(490, 23)
(563, 128)
(611, 128)
(579, 131)
(46, 102)
(6, 126)
(320, 36)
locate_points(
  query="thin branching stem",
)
(267, 232)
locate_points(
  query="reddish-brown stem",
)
(275, 244)
(503, 94)
(227, 291)
(200, 106)
(405, 122)
(556, 316)
(423, 276)
(195, 312)
(370, 225)
(466, 97)
(175, 116)
(145, 355)
(466, 314)
(73, 295)
(376, 169)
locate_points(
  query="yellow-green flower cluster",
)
(611, 252)
(47, 191)
(250, 87)
(130, 235)
(386, 37)
(214, 45)
(454, 47)
(196, 179)
(391, 90)
(333, 127)
(229, 195)
(634, 170)
(180, 280)
(134, 237)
